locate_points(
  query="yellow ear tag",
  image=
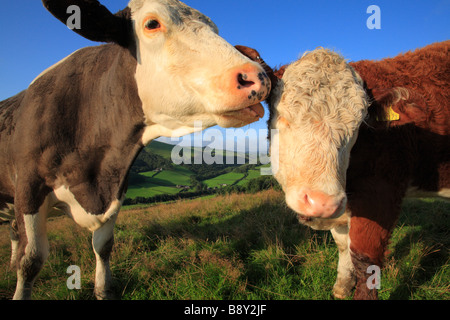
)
(391, 115)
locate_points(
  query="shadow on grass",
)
(250, 237)
(428, 227)
(247, 231)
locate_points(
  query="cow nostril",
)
(308, 201)
(243, 82)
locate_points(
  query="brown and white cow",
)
(353, 139)
(68, 141)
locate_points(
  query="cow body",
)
(85, 141)
(401, 143)
(68, 141)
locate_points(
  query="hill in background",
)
(154, 177)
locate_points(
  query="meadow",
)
(238, 246)
(173, 179)
(162, 182)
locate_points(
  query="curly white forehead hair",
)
(321, 87)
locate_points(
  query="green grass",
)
(236, 247)
(227, 178)
(179, 176)
(163, 182)
(160, 148)
(419, 259)
(252, 174)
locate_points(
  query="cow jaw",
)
(169, 127)
(240, 118)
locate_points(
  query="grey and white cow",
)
(68, 141)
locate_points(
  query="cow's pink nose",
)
(318, 204)
(250, 83)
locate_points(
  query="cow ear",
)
(92, 20)
(280, 72)
(253, 55)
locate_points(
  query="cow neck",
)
(90, 124)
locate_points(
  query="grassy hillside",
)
(224, 179)
(162, 149)
(236, 247)
(163, 177)
(162, 182)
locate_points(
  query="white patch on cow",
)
(444, 193)
(274, 151)
(346, 277)
(37, 248)
(65, 200)
(53, 66)
(319, 106)
(414, 192)
(185, 71)
(100, 237)
(35, 227)
(154, 131)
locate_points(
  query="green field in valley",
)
(162, 182)
(226, 179)
(172, 179)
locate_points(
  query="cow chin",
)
(241, 117)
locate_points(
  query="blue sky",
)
(32, 39)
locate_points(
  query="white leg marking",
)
(14, 242)
(345, 278)
(102, 242)
(36, 252)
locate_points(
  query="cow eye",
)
(152, 25)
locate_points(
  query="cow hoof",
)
(343, 289)
(341, 293)
(104, 295)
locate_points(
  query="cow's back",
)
(414, 85)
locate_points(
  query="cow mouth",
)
(247, 114)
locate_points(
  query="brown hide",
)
(393, 154)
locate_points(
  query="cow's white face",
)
(187, 73)
(318, 107)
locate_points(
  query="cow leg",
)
(30, 250)
(14, 236)
(102, 242)
(371, 224)
(345, 281)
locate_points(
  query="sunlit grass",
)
(239, 246)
